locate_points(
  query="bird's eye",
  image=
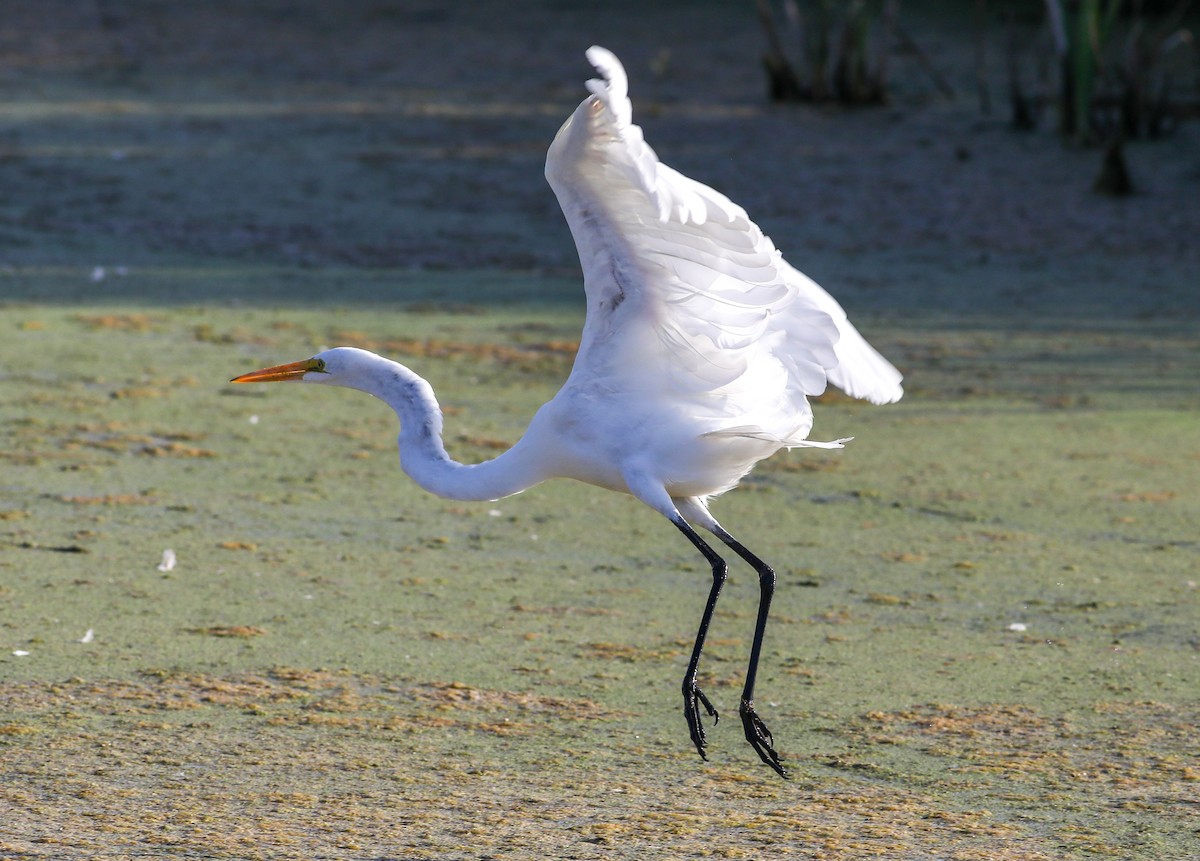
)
(319, 367)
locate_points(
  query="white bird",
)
(699, 350)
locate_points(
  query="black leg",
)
(693, 697)
(756, 731)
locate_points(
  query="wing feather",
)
(687, 299)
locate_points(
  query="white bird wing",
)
(861, 371)
(687, 300)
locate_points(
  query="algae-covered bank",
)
(986, 639)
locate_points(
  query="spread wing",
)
(686, 298)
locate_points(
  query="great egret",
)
(699, 348)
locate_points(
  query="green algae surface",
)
(984, 640)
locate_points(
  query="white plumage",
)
(685, 294)
(698, 354)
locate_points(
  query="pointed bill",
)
(291, 372)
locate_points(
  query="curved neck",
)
(423, 455)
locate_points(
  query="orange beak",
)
(289, 373)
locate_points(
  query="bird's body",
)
(699, 352)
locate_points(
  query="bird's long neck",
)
(422, 453)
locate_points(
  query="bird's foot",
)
(693, 698)
(760, 737)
